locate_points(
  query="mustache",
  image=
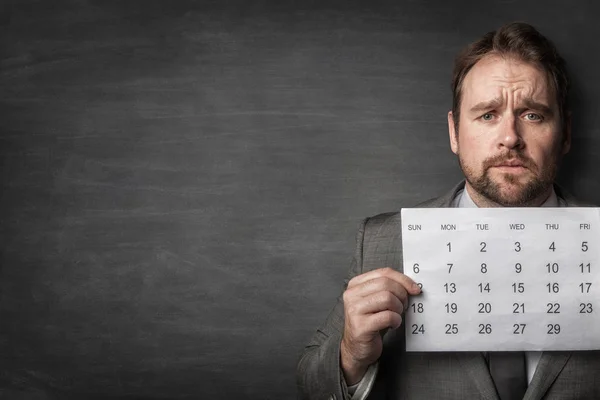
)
(510, 156)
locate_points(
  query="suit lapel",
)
(550, 365)
(546, 373)
(475, 366)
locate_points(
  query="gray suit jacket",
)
(449, 375)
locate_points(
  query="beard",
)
(510, 190)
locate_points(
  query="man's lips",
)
(518, 169)
(510, 163)
(511, 166)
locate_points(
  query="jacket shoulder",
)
(394, 216)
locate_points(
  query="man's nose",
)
(509, 135)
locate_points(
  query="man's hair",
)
(523, 42)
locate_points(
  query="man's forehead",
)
(495, 77)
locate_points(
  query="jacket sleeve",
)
(319, 375)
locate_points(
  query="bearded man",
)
(509, 127)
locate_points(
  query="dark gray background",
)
(181, 181)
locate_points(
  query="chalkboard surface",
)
(181, 181)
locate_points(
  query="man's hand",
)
(373, 301)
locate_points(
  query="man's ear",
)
(452, 133)
(567, 134)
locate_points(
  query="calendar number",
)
(518, 287)
(584, 246)
(518, 308)
(553, 329)
(585, 268)
(585, 308)
(518, 268)
(485, 329)
(450, 287)
(485, 308)
(519, 329)
(552, 268)
(553, 308)
(483, 246)
(484, 268)
(553, 287)
(585, 287)
(451, 329)
(484, 287)
(451, 308)
(552, 247)
(449, 244)
(418, 329)
(450, 267)
(417, 307)
(517, 246)
(416, 268)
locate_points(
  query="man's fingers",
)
(377, 302)
(410, 285)
(384, 319)
(378, 285)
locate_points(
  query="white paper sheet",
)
(503, 279)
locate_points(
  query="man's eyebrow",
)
(534, 105)
(497, 102)
(486, 105)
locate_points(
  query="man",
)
(509, 127)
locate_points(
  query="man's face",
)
(509, 140)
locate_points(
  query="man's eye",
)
(533, 117)
(487, 117)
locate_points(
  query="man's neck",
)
(483, 202)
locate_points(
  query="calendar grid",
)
(503, 279)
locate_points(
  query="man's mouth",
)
(510, 163)
(514, 166)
